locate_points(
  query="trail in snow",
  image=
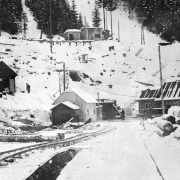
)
(32, 31)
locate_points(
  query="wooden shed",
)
(91, 33)
(81, 99)
(64, 112)
(7, 78)
(152, 98)
(72, 34)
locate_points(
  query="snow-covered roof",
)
(71, 105)
(82, 94)
(68, 104)
(72, 30)
(91, 28)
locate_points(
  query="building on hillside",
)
(78, 99)
(109, 109)
(152, 98)
(72, 34)
(91, 33)
(7, 79)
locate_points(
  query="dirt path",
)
(120, 154)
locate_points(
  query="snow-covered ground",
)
(121, 68)
(122, 154)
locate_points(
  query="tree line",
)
(161, 17)
(11, 16)
(62, 15)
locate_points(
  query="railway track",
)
(9, 156)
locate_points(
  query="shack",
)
(72, 34)
(91, 33)
(79, 99)
(152, 98)
(64, 112)
(7, 79)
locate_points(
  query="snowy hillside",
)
(121, 68)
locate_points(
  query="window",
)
(87, 111)
(148, 104)
(97, 36)
(94, 111)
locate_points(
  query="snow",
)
(72, 30)
(121, 68)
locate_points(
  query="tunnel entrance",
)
(74, 75)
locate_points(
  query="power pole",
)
(111, 25)
(0, 28)
(142, 33)
(59, 75)
(64, 76)
(84, 21)
(160, 68)
(106, 20)
(118, 32)
(50, 30)
(98, 106)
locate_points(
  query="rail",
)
(15, 153)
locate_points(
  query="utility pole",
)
(50, 30)
(160, 69)
(161, 83)
(85, 21)
(64, 73)
(98, 107)
(142, 33)
(111, 25)
(59, 83)
(0, 28)
(118, 32)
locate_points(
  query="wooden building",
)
(72, 34)
(7, 79)
(91, 33)
(109, 110)
(86, 104)
(65, 111)
(152, 98)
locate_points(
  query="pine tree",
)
(80, 21)
(74, 15)
(96, 19)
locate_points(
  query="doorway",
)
(70, 36)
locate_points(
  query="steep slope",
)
(118, 71)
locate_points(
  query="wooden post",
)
(98, 106)
(160, 68)
(0, 28)
(59, 83)
(85, 21)
(142, 33)
(104, 17)
(111, 25)
(50, 30)
(118, 32)
(64, 76)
